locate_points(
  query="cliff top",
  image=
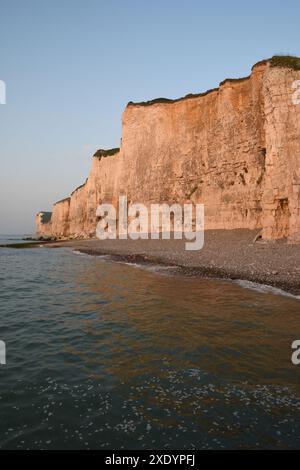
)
(79, 187)
(45, 216)
(62, 200)
(284, 61)
(99, 154)
(106, 153)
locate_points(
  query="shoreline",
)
(227, 254)
(200, 272)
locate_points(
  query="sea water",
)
(104, 355)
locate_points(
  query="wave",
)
(156, 268)
(87, 255)
(264, 288)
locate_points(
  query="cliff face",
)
(281, 184)
(60, 220)
(101, 186)
(236, 149)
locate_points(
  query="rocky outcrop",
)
(43, 224)
(235, 148)
(60, 221)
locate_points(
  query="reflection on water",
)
(106, 355)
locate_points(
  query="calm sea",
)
(107, 355)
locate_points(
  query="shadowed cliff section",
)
(236, 149)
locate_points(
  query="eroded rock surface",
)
(236, 149)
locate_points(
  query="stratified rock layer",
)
(236, 149)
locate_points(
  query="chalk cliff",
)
(235, 148)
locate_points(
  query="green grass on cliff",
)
(169, 100)
(106, 153)
(155, 101)
(285, 61)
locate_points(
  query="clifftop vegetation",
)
(286, 61)
(106, 153)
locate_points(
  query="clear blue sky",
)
(70, 67)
